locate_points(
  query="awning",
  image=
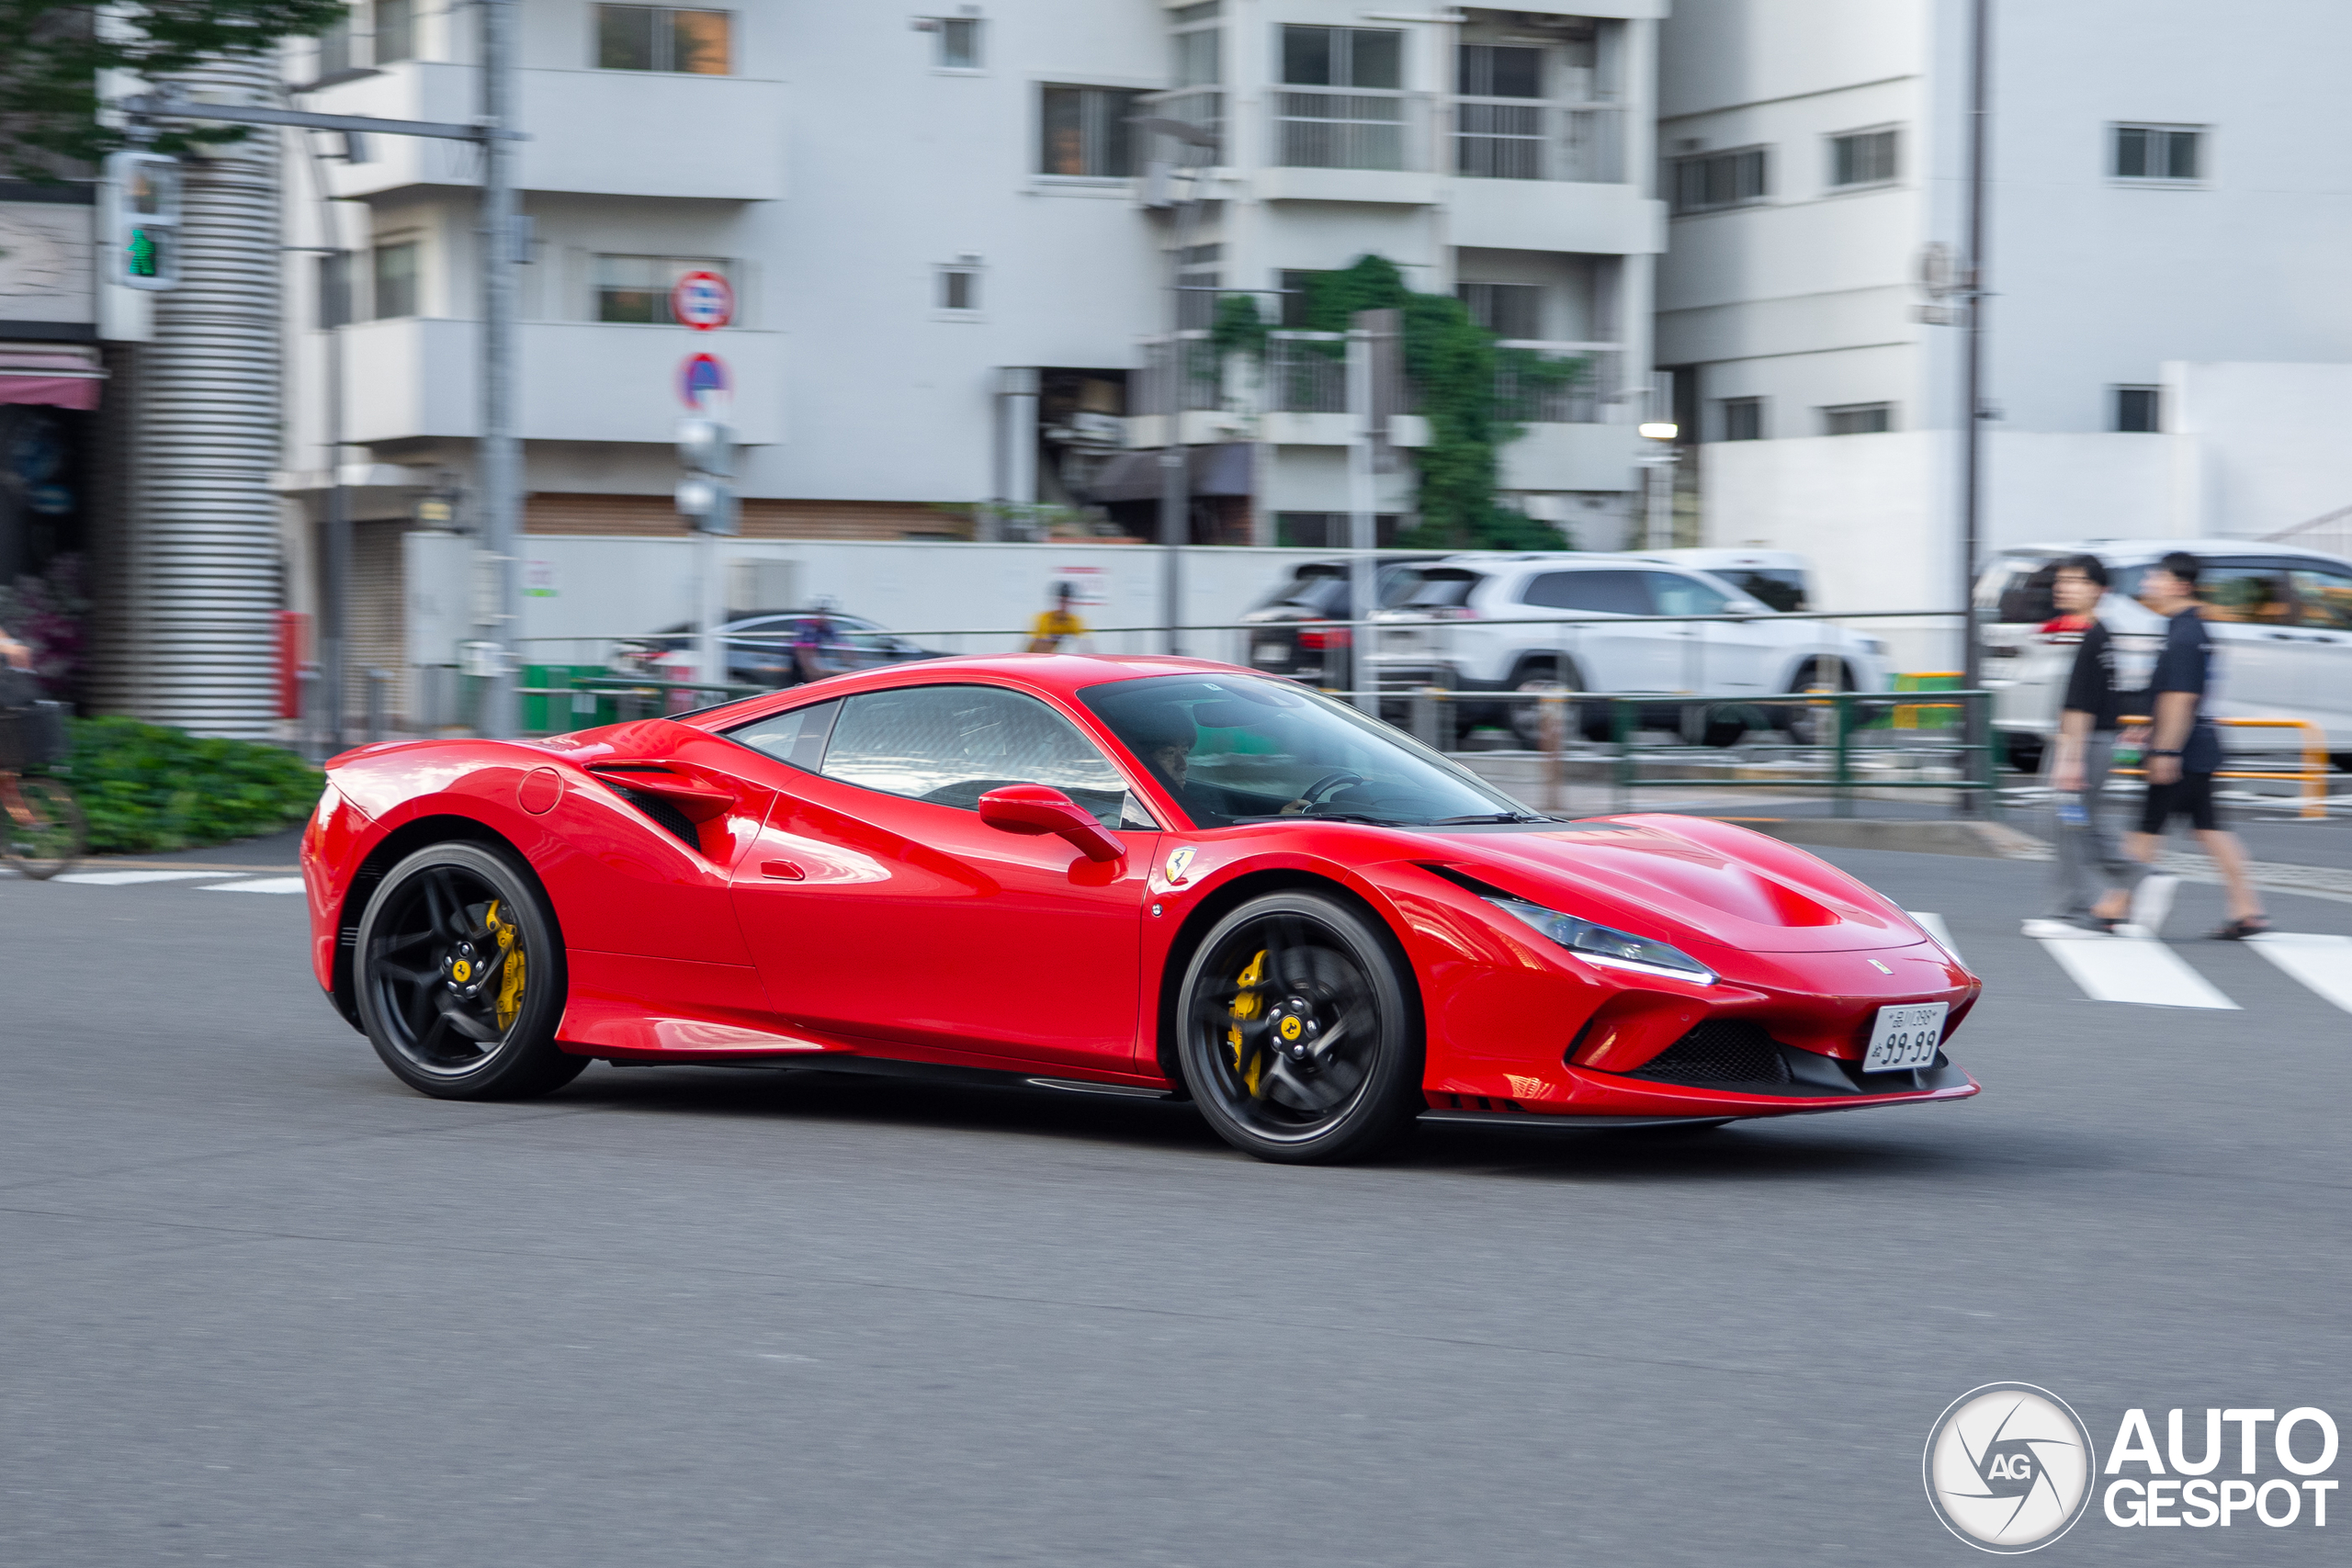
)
(1209, 470)
(61, 376)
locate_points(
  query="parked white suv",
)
(2281, 618)
(1476, 623)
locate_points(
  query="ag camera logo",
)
(2009, 1467)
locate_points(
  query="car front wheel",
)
(460, 979)
(1300, 1041)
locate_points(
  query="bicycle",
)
(41, 828)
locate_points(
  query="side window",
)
(796, 737)
(950, 745)
(1676, 594)
(2253, 592)
(1615, 593)
(2326, 599)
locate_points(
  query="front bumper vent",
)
(1723, 1051)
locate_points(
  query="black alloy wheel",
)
(1301, 1043)
(460, 977)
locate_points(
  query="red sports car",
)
(1128, 875)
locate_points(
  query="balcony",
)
(1355, 144)
(594, 132)
(1512, 139)
(580, 380)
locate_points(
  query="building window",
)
(959, 288)
(395, 31)
(1863, 158)
(1499, 70)
(1199, 46)
(636, 289)
(1084, 132)
(958, 46)
(2138, 409)
(656, 38)
(1364, 128)
(395, 280)
(334, 48)
(1743, 419)
(1707, 182)
(2172, 153)
(1198, 279)
(1506, 310)
(1343, 57)
(1858, 419)
(334, 289)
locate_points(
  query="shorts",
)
(2191, 796)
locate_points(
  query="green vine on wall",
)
(1452, 363)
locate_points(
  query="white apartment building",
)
(953, 253)
(2170, 343)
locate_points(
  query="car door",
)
(879, 907)
(2324, 618)
(1614, 656)
(1722, 656)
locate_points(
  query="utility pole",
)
(501, 456)
(1973, 378)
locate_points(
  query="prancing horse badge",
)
(1178, 861)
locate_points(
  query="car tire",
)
(1524, 718)
(1805, 726)
(460, 976)
(1300, 1036)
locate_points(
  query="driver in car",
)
(1168, 751)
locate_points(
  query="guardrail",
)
(2312, 774)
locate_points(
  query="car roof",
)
(1056, 675)
(1499, 562)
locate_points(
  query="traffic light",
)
(707, 451)
(140, 220)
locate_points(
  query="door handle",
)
(782, 870)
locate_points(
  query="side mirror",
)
(1036, 810)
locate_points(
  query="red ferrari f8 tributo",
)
(1144, 876)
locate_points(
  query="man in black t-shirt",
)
(2089, 865)
(2185, 750)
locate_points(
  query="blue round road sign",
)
(702, 377)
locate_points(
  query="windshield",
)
(1232, 748)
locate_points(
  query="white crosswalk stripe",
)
(128, 878)
(2134, 969)
(258, 884)
(2321, 962)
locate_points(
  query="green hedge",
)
(146, 788)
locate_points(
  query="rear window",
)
(1443, 588)
(1614, 592)
(2018, 591)
(1776, 588)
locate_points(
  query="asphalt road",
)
(261, 1304)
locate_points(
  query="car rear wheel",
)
(1300, 1044)
(460, 978)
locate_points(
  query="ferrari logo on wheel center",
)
(461, 971)
(1290, 1027)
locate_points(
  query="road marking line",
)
(2131, 969)
(1936, 929)
(2321, 962)
(128, 878)
(260, 884)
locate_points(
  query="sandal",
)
(2243, 927)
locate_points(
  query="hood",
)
(1690, 880)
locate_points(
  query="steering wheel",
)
(1329, 780)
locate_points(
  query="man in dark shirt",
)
(2185, 750)
(2089, 865)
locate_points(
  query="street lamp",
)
(1658, 463)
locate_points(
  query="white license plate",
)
(1905, 1036)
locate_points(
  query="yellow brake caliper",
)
(1246, 1005)
(510, 973)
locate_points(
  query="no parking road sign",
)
(703, 381)
(703, 300)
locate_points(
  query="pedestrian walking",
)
(1058, 624)
(2091, 865)
(2184, 753)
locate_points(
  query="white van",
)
(2281, 623)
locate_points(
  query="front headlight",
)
(1602, 944)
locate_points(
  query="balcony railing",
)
(1511, 138)
(1200, 385)
(1556, 383)
(1306, 373)
(1354, 129)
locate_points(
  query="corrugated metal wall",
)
(191, 575)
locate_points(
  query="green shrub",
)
(145, 788)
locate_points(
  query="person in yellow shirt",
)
(1058, 624)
